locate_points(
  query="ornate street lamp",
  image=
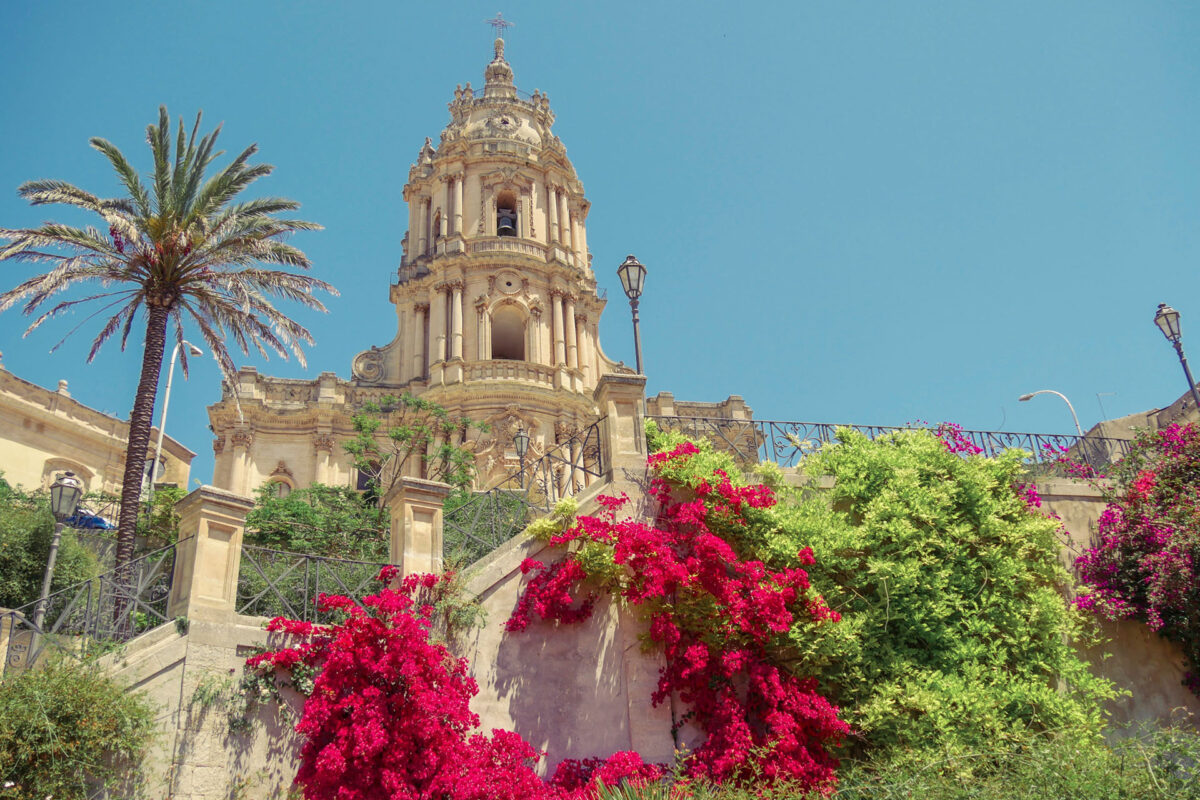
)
(633, 277)
(521, 442)
(1031, 395)
(64, 497)
(1167, 320)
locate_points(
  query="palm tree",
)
(179, 250)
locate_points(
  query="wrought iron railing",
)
(107, 610)
(488, 519)
(785, 443)
(275, 583)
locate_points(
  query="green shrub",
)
(26, 530)
(333, 521)
(68, 727)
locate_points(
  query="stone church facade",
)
(496, 309)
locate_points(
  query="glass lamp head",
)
(64, 495)
(1167, 320)
(633, 277)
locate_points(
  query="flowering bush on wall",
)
(720, 618)
(1143, 565)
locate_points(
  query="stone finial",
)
(62, 388)
(499, 48)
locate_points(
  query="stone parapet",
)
(209, 553)
(415, 543)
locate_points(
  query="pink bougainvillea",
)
(1143, 564)
(718, 620)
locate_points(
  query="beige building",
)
(44, 432)
(496, 308)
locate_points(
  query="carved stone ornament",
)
(242, 438)
(282, 469)
(218, 446)
(323, 442)
(368, 365)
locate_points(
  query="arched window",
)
(508, 333)
(506, 214)
(280, 488)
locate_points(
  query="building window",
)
(508, 334)
(280, 489)
(506, 214)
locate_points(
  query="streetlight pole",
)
(64, 497)
(633, 278)
(1031, 395)
(1167, 320)
(162, 422)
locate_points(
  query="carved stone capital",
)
(242, 438)
(323, 443)
(421, 308)
(218, 446)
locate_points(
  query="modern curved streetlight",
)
(1031, 395)
(162, 422)
(1167, 320)
(633, 278)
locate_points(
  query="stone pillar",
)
(204, 583)
(568, 235)
(585, 345)
(482, 332)
(418, 336)
(560, 347)
(415, 506)
(569, 329)
(323, 444)
(622, 400)
(456, 321)
(446, 207)
(241, 440)
(458, 204)
(562, 216)
(437, 325)
(534, 335)
(423, 231)
(552, 206)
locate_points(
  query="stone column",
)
(418, 334)
(562, 216)
(446, 206)
(483, 350)
(458, 204)
(241, 440)
(437, 324)
(323, 444)
(560, 351)
(534, 335)
(568, 235)
(204, 583)
(415, 506)
(552, 206)
(585, 345)
(423, 231)
(456, 321)
(569, 328)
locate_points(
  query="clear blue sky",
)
(851, 212)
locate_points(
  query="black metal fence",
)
(486, 520)
(92, 616)
(785, 443)
(275, 583)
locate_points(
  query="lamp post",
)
(633, 277)
(64, 497)
(162, 422)
(1167, 320)
(521, 442)
(1031, 395)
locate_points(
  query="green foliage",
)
(399, 428)
(67, 726)
(26, 531)
(321, 520)
(158, 525)
(955, 629)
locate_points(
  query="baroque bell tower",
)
(496, 304)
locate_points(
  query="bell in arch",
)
(506, 222)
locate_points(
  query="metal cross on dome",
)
(499, 23)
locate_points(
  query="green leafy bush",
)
(66, 729)
(956, 631)
(334, 521)
(26, 530)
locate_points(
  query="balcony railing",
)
(489, 519)
(506, 370)
(275, 583)
(785, 443)
(509, 244)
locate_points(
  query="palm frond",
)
(127, 174)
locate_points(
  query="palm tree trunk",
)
(140, 421)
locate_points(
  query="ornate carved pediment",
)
(282, 469)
